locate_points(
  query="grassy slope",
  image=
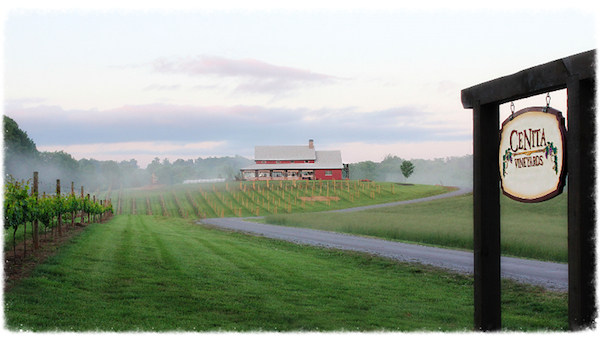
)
(537, 231)
(156, 274)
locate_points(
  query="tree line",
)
(449, 171)
(22, 158)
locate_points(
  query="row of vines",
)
(244, 199)
(22, 207)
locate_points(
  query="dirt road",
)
(550, 275)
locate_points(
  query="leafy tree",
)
(227, 171)
(132, 175)
(16, 140)
(111, 173)
(89, 172)
(183, 170)
(20, 152)
(407, 169)
(57, 164)
(364, 170)
(387, 170)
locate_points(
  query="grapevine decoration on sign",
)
(551, 151)
(506, 158)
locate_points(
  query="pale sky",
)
(119, 81)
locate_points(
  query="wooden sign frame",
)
(577, 74)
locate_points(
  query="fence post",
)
(72, 212)
(82, 212)
(36, 238)
(59, 215)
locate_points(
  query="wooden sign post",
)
(577, 74)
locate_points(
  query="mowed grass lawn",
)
(535, 230)
(150, 273)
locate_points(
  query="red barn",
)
(294, 162)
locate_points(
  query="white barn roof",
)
(284, 153)
(329, 159)
(323, 160)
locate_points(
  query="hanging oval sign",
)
(533, 154)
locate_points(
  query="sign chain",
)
(512, 110)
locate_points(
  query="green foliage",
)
(18, 208)
(212, 167)
(407, 169)
(21, 208)
(20, 152)
(16, 140)
(46, 210)
(61, 162)
(364, 170)
(72, 203)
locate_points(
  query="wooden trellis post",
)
(82, 213)
(36, 235)
(59, 215)
(72, 213)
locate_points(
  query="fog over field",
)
(21, 159)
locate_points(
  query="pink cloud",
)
(257, 75)
(203, 65)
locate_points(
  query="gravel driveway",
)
(548, 274)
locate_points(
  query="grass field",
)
(151, 273)
(536, 231)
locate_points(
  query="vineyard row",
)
(22, 206)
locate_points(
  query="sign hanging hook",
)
(512, 110)
(547, 102)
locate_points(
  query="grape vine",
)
(21, 208)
